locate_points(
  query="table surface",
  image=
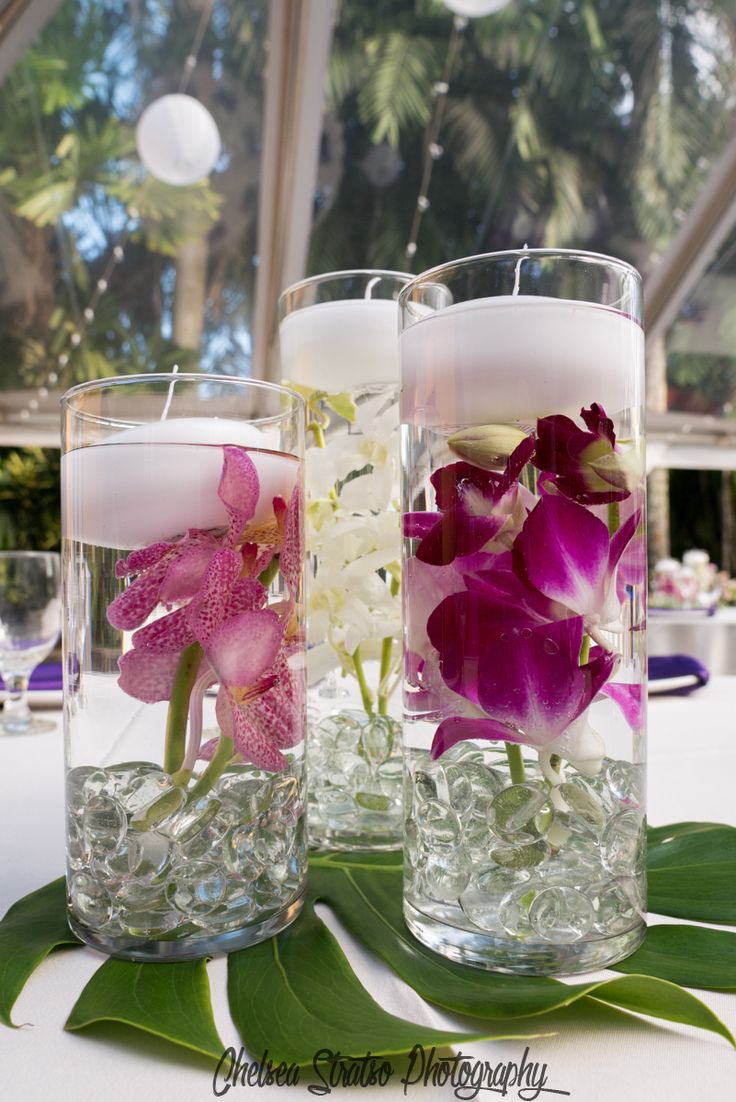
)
(692, 766)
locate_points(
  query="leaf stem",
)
(516, 763)
(365, 692)
(176, 719)
(614, 517)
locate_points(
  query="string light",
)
(117, 255)
(433, 150)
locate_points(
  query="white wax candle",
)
(505, 359)
(154, 481)
(342, 345)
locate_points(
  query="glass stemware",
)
(30, 622)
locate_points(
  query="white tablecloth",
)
(692, 776)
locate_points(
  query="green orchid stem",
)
(516, 763)
(267, 576)
(387, 647)
(215, 769)
(318, 433)
(365, 692)
(176, 720)
(614, 517)
(584, 650)
(555, 762)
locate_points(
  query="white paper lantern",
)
(473, 9)
(178, 140)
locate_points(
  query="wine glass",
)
(30, 621)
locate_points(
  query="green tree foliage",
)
(567, 124)
(29, 499)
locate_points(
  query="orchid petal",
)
(629, 699)
(168, 633)
(239, 490)
(564, 550)
(417, 525)
(456, 534)
(207, 610)
(244, 646)
(136, 603)
(252, 745)
(184, 575)
(143, 559)
(292, 549)
(456, 729)
(148, 676)
(527, 679)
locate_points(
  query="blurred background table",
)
(710, 639)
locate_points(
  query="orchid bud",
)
(486, 446)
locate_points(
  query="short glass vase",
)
(184, 656)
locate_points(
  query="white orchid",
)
(353, 533)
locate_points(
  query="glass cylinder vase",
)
(184, 657)
(339, 348)
(524, 584)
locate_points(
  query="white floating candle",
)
(341, 345)
(516, 358)
(154, 481)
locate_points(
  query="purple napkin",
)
(45, 678)
(693, 672)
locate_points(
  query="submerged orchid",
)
(506, 591)
(588, 467)
(476, 506)
(220, 632)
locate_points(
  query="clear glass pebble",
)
(104, 823)
(446, 875)
(520, 813)
(481, 900)
(622, 843)
(561, 915)
(585, 813)
(159, 810)
(239, 855)
(142, 790)
(438, 824)
(513, 911)
(626, 782)
(617, 905)
(521, 857)
(377, 739)
(148, 924)
(149, 855)
(194, 817)
(196, 887)
(90, 899)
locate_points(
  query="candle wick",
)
(170, 395)
(517, 272)
(371, 284)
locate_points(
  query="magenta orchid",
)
(586, 466)
(475, 505)
(527, 682)
(221, 632)
(506, 592)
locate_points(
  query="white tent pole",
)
(300, 35)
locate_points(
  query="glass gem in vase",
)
(184, 656)
(524, 583)
(339, 348)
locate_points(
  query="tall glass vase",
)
(184, 657)
(524, 584)
(339, 348)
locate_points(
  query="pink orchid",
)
(222, 610)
